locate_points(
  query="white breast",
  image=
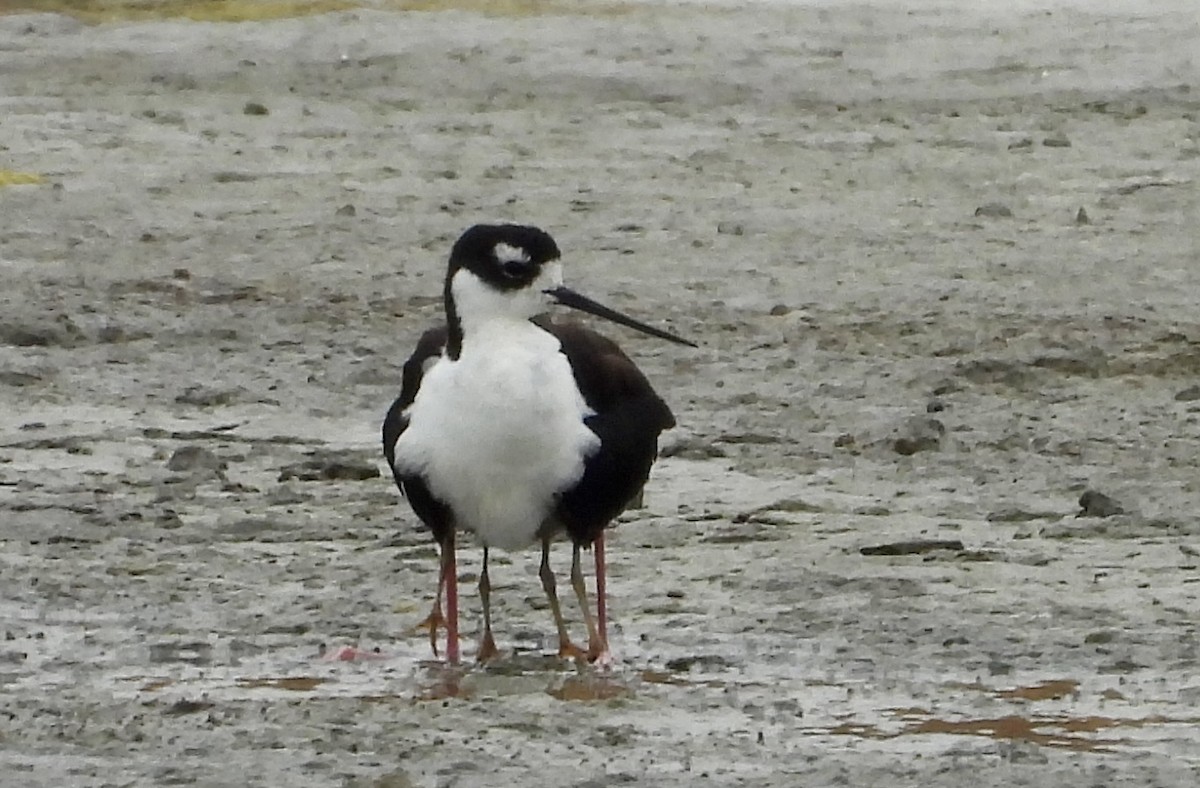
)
(499, 432)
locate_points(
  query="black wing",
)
(629, 417)
(435, 514)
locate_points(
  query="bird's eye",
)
(515, 268)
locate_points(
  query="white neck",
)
(481, 308)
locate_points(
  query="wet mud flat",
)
(942, 265)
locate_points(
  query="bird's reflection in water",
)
(523, 674)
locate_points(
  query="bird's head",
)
(511, 271)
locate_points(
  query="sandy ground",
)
(943, 263)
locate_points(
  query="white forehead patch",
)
(510, 254)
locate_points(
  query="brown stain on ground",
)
(157, 684)
(1033, 729)
(1048, 730)
(651, 676)
(1046, 690)
(293, 684)
(1059, 731)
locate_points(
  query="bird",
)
(518, 428)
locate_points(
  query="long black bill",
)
(568, 297)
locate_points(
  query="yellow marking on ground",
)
(13, 178)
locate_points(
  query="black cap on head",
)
(505, 256)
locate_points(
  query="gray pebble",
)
(1097, 504)
(1190, 394)
(919, 433)
(994, 210)
(190, 458)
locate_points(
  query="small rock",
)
(61, 332)
(692, 447)
(1081, 217)
(206, 396)
(16, 378)
(394, 779)
(228, 176)
(780, 309)
(999, 668)
(919, 433)
(287, 495)
(184, 706)
(347, 210)
(191, 458)
(1097, 504)
(730, 228)
(1190, 394)
(994, 210)
(255, 108)
(330, 467)
(1017, 515)
(1057, 141)
(684, 664)
(112, 334)
(914, 547)
(1024, 142)
(935, 406)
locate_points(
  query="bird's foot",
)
(568, 650)
(431, 623)
(598, 652)
(602, 658)
(487, 649)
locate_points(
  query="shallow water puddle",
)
(444, 682)
(591, 688)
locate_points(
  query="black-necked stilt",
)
(517, 428)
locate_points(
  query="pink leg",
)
(451, 569)
(601, 599)
(601, 587)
